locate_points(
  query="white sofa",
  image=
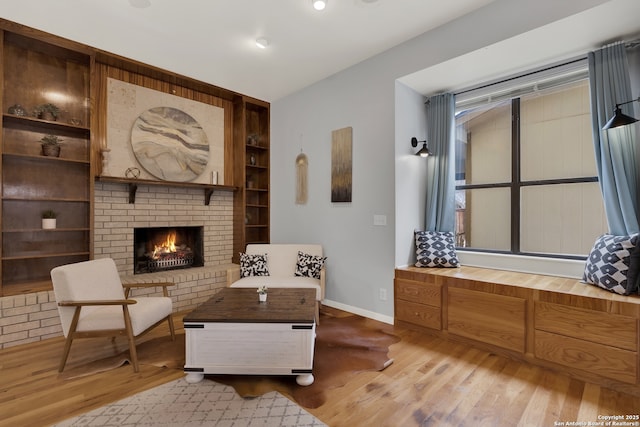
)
(281, 262)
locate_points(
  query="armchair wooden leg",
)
(70, 334)
(172, 329)
(133, 353)
(65, 354)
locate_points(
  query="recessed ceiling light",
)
(319, 4)
(262, 42)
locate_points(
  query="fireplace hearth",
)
(167, 248)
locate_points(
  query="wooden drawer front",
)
(490, 318)
(419, 314)
(609, 362)
(595, 326)
(419, 292)
(415, 274)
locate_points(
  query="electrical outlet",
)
(383, 294)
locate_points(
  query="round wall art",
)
(170, 144)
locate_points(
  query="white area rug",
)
(206, 403)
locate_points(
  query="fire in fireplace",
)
(167, 248)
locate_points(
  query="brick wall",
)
(33, 317)
(28, 318)
(115, 219)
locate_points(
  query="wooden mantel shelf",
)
(133, 186)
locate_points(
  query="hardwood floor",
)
(432, 382)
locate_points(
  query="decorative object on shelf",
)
(51, 145)
(252, 139)
(170, 144)
(262, 293)
(132, 173)
(17, 110)
(49, 219)
(46, 111)
(104, 152)
(302, 166)
(75, 122)
(214, 177)
(250, 183)
(341, 164)
(252, 159)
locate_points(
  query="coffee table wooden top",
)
(241, 305)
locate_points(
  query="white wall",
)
(362, 256)
(410, 172)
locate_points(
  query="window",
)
(526, 179)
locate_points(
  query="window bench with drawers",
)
(554, 322)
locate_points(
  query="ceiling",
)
(558, 41)
(214, 40)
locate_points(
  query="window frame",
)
(515, 186)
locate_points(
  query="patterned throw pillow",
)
(436, 249)
(613, 264)
(253, 265)
(309, 265)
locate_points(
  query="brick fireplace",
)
(115, 220)
(167, 208)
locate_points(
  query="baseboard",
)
(360, 312)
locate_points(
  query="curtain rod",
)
(548, 68)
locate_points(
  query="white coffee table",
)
(234, 333)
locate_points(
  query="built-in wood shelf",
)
(28, 121)
(134, 183)
(35, 67)
(45, 158)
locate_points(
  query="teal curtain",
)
(615, 149)
(440, 204)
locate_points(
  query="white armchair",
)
(93, 302)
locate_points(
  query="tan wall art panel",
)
(127, 102)
(341, 164)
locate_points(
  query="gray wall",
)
(410, 173)
(386, 179)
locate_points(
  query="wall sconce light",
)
(619, 118)
(319, 4)
(424, 151)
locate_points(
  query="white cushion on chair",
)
(146, 312)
